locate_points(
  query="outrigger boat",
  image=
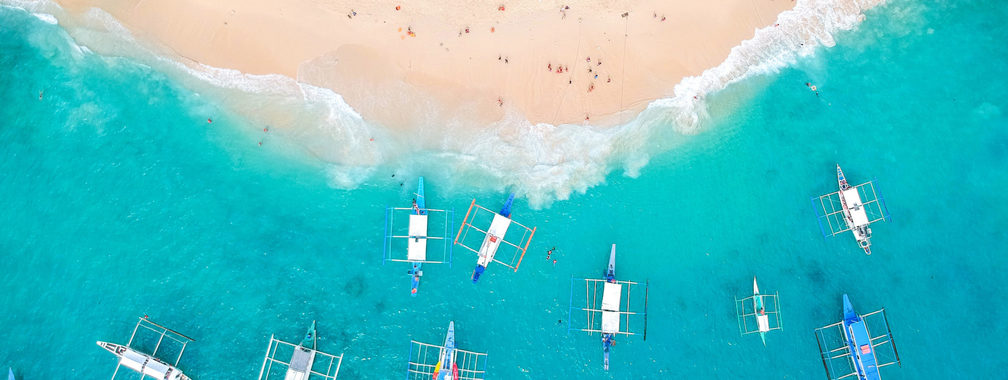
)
(416, 236)
(764, 308)
(144, 363)
(611, 316)
(859, 206)
(491, 242)
(493, 237)
(10, 373)
(451, 362)
(303, 359)
(859, 346)
(446, 368)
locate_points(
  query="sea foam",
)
(541, 161)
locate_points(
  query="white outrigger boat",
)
(859, 355)
(148, 365)
(451, 363)
(859, 206)
(305, 359)
(763, 308)
(493, 236)
(417, 237)
(610, 314)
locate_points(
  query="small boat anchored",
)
(852, 208)
(607, 307)
(305, 359)
(860, 354)
(763, 309)
(148, 365)
(492, 238)
(445, 362)
(416, 236)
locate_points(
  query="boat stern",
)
(477, 273)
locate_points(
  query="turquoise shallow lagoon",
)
(119, 199)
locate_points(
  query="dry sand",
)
(464, 62)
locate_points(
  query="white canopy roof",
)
(610, 322)
(416, 250)
(146, 365)
(611, 294)
(857, 210)
(300, 364)
(763, 322)
(495, 234)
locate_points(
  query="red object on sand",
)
(397, 7)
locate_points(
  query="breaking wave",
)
(542, 162)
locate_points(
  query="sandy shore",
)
(410, 62)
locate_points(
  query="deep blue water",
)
(119, 200)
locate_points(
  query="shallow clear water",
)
(119, 200)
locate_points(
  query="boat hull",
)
(862, 352)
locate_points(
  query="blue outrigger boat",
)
(608, 308)
(10, 373)
(859, 346)
(419, 208)
(417, 236)
(493, 237)
(445, 362)
(446, 368)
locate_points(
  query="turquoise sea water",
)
(119, 199)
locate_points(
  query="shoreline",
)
(586, 64)
(548, 162)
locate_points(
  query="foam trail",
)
(543, 162)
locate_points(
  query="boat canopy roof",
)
(763, 322)
(145, 364)
(611, 296)
(417, 242)
(610, 322)
(857, 211)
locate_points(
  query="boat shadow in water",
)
(355, 287)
